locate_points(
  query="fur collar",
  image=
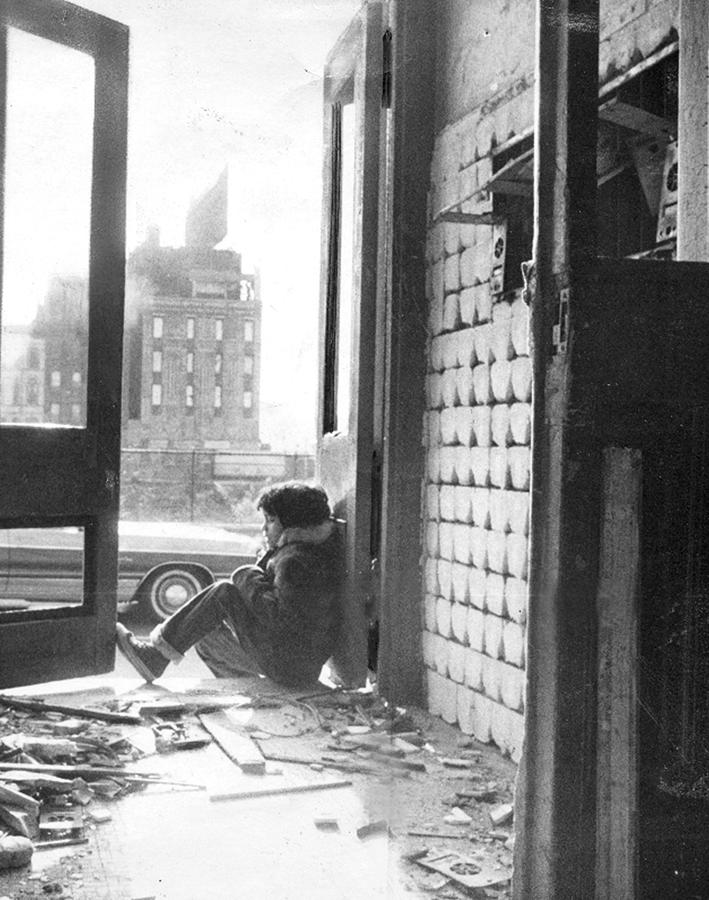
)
(310, 534)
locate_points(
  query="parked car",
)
(160, 565)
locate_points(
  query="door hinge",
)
(560, 330)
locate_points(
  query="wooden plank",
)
(235, 742)
(277, 791)
(80, 712)
(619, 573)
(636, 119)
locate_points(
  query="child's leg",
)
(224, 655)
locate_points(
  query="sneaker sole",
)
(123, 641)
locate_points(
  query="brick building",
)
(192, 350)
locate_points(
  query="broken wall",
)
(477, 429)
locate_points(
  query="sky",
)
(215, 82)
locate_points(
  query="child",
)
(276, 618)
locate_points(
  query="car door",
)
(63, 127)
(349, 337)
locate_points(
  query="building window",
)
(248, 400)
(248, 330)
(75, 412)
(54, 412)
(76, 378)
(33, 358)
(157, 395)
(246, 292)
(157, 327)
(219, 329)
(189, 396)
(157, 360)
(56, 379)
(32, 392)
(218, 364)
(218, 396)
(190, 328)
(248, 365)
(190, 362)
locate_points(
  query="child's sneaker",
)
(145, 659)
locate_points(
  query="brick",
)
(481, 425)
(451, 237)
(496, 551)
(519, 511)
(517, 555)
(495, 594)
(498, 726)
(460, 583)
(492, 677)
(433, 465)
(501, 340)
(436, 353)
(464, 504)
(499, 467)
(473, 269)
(459, 622)
(449, 388)
(478, 547)
(445, 540)
(521, 423)
(483, 303)
(456, 662)
(449, 350)
(515, 735)
(500, 510)
(519, 460)
(433, 424)
(493, 635)
(520, 330)
(465, 386)
(482, 388)
(482, 337)
(501, 381)
(449, 702)
(477, 587)
(512, 687)
(446, 502)
(467, 306)
(461, 543)
(432, 538)
(500, 429)
(444, 570)
(440, 654)
(473, 672)
(476, 629)
(516, 600)
(463, 471)
(501, 310)
(465, 709)
(429, 612)
(480, 506)
(513, 643)
(448, 432)
(480, 465)
(434, 396)
(465, 347)
(451, 312)
(428, 645)
(482, 718)
(521, 378)
(431, 575)
(446, 463)
(443, 618)
(432, 508)
(464, 422)
(434, 692)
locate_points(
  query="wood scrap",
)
(235, 742)
(78, 712)
(286, 789)
(16, 798)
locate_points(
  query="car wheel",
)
(167, 591)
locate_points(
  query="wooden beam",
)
(636, 119)
(619, 577)
(693, 140)
(234, 741)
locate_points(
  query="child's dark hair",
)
(295, 503)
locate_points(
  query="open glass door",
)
(63, 127)
(348, 311)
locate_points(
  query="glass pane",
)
(344, 287)
(44, 340)
(42, 567)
